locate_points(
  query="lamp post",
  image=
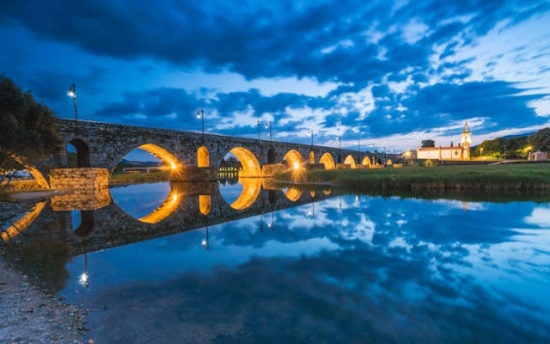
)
(339, 149)
(258, 131)
(72, 93)
(268, 125)
(200, 114)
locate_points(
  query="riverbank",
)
(503, 177)
(28, 314)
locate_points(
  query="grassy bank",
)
(137, 178)
(441, 178)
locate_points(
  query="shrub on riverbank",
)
(493, 177)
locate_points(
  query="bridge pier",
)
(192, 174)
(88, 179)
(269, 170)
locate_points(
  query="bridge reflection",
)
(188, 206)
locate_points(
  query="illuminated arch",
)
(35, 173)
(249, 162)
(250, 193)
(165, 156)
(388, 162)
(327, 192)
(350, 161)
(205, 204)
(366, 161)
(311, 157)
(170, 205)
(328, 161)
(293, 194)
(203, 157)
(294, 159)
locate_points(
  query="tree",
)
(27, 130)
(540, 140)
(428, 143)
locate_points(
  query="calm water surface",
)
(338, 269)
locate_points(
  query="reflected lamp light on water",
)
(84, 279)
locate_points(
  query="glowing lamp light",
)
(173, 166)
(83, 279)
(203, 243)
(296, 165)
(175, 197)
(71, 94)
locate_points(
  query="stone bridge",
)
(193, 156)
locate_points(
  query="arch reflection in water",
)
(23, 222)
(293, 194)
(170, 205)
(149, 203)
(251, 188)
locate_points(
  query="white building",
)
(461, 152)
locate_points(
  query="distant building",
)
(461, 152)
(538, 156)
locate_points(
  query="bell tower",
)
(465, 142)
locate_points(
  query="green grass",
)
(456, 178)
(136, 178)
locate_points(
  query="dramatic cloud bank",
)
(389, 74)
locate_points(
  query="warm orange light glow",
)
(165, 156)
(172, 202)
(366, 161)
(350, 161)
(296, 165)
(251, 191)
(328, 161)
(20, 225)
(251, 166)
(205, 204)
(203, 157)
(293, 194)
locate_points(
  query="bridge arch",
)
(366, 161)
(328, 161)
(203, 157)
(82, 152)
(311, 157)
(249, 162)
(294, 159)
(271, 155)
(167, 158)
(350, 161)
(389, 162)
(35, 173)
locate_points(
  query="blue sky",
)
(387, 73)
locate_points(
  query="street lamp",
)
(259, 131)
(268, 125)
(72, 93)
(200, 114)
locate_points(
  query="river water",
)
(317, 267)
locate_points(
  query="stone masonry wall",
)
(84, 179)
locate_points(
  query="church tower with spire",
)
(465, 142)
